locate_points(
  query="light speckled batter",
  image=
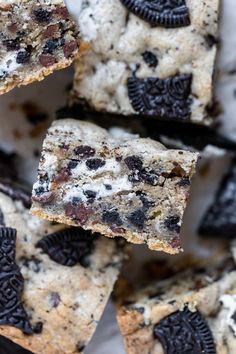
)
(69, 301)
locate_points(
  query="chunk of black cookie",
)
(150, 59)
(8, 242)
(164, 13)
(185, 332)
(16, 192)
(12, 312)
(220, 218)
(69, 247)
(168, 98)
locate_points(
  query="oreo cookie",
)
(185, 332)
(12, 312)
(69, 247)
(15, 192)
(163, 13)
(168, 98)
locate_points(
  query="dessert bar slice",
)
(192, 312)
(54, 281)
(36, 38)
(220, 218)
(150, 58)
(118, 186)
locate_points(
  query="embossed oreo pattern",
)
(16, 192)
(12, 312)
(185, 332)
(164, 13)
(69, 247)
(164, 98)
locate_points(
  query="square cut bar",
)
(37, 37)
(192, 312)
(54, 281)
(118, 186)
(151, 58)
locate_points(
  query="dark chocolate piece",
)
(150, 58)
(163, 98)
(69, 247)
(84, 151)
(42, 15)
(220, 218)
(171, 223)
(137, 218)
(15, 191)
(112, 217)
(12, 312)
(164, 13)
(94, 164)
(185, 332)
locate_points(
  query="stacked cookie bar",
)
(129, 187)
(158, 59)
(36, 38)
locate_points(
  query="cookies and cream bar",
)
(119, 186)
(150, 58)
(36, 38)
(192, 312)
(54, 281)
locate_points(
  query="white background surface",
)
(50, 95)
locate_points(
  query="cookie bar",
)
(36, 38)
(118, 186)
(54, 282)
(220, 218)
(192, 312)
(158, 59)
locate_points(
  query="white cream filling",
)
(9, 64)
(118, 185)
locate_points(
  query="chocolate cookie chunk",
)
(169, 14)
(12, 312)
(68, 247)
(191, 333)
(169, 98)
